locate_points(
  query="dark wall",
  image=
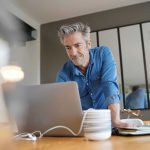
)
(52, 52)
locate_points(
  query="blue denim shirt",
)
(98, 88)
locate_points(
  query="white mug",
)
(97, 124)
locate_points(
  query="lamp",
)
(8, 73)
(12, 73)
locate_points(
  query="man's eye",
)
(78, 45)
(68, 48)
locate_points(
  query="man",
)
(137, 99)
(93, 69)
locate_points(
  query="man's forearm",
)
(115, 116)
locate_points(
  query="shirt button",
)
(91, 94)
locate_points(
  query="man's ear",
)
(89, 45)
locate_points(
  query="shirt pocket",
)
(95, 81)
(81, 86)
(95, 77)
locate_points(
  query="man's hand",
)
(115, 116)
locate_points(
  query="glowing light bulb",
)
(12, 73)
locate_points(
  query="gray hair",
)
(72, 28)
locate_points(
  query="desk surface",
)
(114, 143)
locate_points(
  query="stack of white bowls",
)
(97, 124)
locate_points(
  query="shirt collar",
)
(91, 56)
(75, 69)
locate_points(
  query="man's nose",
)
(73, 51)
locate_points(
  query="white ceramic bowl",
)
(97, 124)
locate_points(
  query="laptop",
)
(40, 107)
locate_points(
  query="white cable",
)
(26, 136)
(32, 136)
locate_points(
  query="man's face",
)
(77, 49)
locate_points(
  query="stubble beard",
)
(78, 61)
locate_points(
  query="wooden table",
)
(75, 143)
(114, 143)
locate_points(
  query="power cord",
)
(33, 137)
